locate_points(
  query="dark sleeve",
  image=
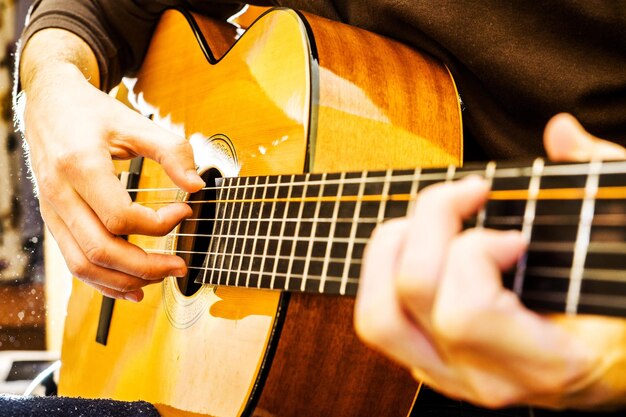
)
(117, 31)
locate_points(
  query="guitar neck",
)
(308, 232)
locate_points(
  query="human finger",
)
(566, 140)
(109, 282)
(139, 136)
(101, 248)
(471, 282)
(438, 217)
(94, 179)
(379, 319)
(481, 326)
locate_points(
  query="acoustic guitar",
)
(307, 133)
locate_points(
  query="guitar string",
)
(604, 193)
(543, 247)
(614, 167)
(600, 220)
(554, 274)
(552, 295)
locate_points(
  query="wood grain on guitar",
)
(295, 94)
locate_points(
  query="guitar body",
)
(294, 94)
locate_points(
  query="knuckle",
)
(68, 160)
(147, 273)
(80, 269)
(130, 285)
(97, 255)
(117, 224)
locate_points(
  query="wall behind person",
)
(22, 315)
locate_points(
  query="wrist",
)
(56, 54)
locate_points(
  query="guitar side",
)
(285, 99)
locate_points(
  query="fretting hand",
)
(431, 298)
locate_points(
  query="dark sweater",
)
(516, 64)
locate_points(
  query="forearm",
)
(52, 54)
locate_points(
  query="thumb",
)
(171, 151)
(566, 140)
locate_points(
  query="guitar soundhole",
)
(195, 233)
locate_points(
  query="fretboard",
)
(308, 232)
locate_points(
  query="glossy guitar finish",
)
(295, 94)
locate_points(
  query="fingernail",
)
(131, 297)
(181, 272)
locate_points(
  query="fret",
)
(331, 232)
(450, 172)
(583, 237)
(212, 243)
(415, 181)
(268, 212)
(350, 245)
(281, 234)
(307, 262)
(529, 218)
(237, 241)
(490, 171)
(394, 206)
(296, 233)
(263, 191)
(219, 219)
(224, 235)
(249, 193)
(384, 194)
(229, 244)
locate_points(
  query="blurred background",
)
(23, 318)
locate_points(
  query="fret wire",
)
(205, 262)
(450, 172)
(313, 229)
(609, 167)
(269, 232)
(232, 225)
(229, 227)
(218, 241)
(596, 248)
(282, 232)
(256, 234)
(352, 238)
(583, 237)
(239, 225)
(415, 181)
(604, 193)
(609, 220)
(527, 226)
(384, 195)
(248, 220)
(331, 233)
(296, 233)
(490, 170)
